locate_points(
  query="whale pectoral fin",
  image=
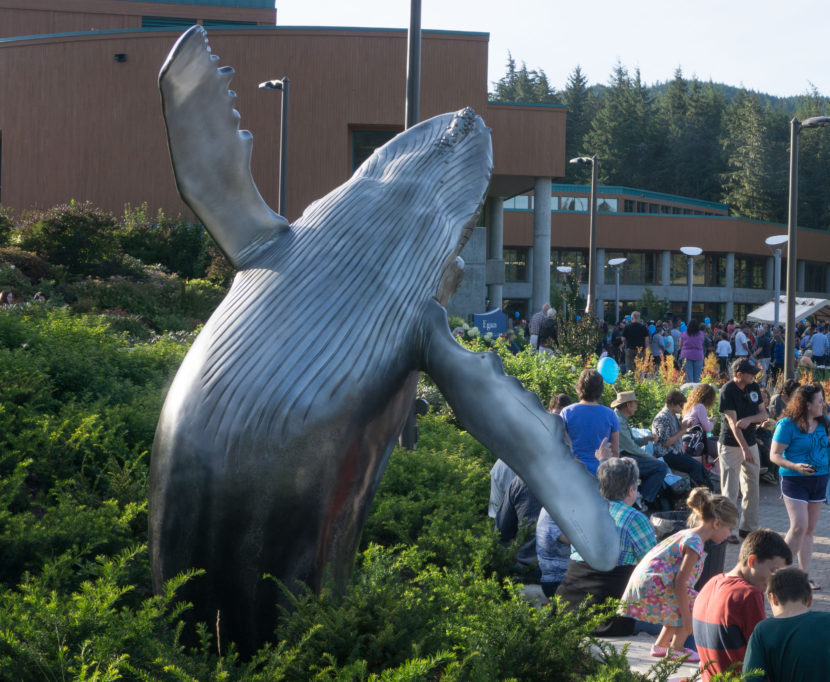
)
(211, 156)
(511, 422)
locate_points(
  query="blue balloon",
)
(517, 314)
(652, 329)
(682, 327)
(578, 318)
(628, 318)
(707, 321)
(609, 370)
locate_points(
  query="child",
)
(660, 589)
(731, 604)
(792, 646)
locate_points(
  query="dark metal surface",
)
(270, 446)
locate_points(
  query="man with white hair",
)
(536, 323)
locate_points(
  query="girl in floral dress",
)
(660, 589)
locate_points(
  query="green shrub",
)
(179, 245)
(6, 225)
(77, 236)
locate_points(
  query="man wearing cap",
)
(652, 470)
(742, 408)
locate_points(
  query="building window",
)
(715, 270)
(573, 203)
(640, 268)
(607, 206)
(654, 208)
(575, 258)
(665, 209)
(680, 270)
(814, 277)
(628, 206)
(750, 272)
(515, 263)
(676, 210)
(520, 203)
(641, 207)
(364, 142)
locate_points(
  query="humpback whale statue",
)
(268, 451)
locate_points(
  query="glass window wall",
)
(515, 263)
(642, 267)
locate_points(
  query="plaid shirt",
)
(636, 534)
(536, 322)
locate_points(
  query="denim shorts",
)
(805, 488)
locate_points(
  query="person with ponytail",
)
(660, 589)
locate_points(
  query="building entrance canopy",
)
(804, 308)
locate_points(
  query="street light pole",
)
(617, 264)
(777, 240)
(796, 127)
(413, 65)
(691, 252)
(281, 85)
(592, 234)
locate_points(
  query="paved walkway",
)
(772, 515)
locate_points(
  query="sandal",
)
(688, 656)
(659, 651)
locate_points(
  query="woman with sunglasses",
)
(799, 447)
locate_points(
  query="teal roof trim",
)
(124, 31)
(642, 193)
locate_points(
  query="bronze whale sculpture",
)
(268, 450)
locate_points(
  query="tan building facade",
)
(80, 118)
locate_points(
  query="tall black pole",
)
(792, 250)
(413, 65)
(283, 147)
(592, 242)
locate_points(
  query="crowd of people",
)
(711, 616)
(687, 345)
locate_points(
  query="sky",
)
(760, 45)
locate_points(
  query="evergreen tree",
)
(813, 165)
(754, 184)
(582, 107)
(523, 85)
(622, 134)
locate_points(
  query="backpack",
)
(694, 442)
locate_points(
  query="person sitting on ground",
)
(618, 478)
(661, 590)
(588, 422)
(652, 470)
(731, 604)
(510, 340)
(668, 443)
(696, 413)
(519, 508)
(792, 645)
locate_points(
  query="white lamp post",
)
(777, 240)
(592, 233)
(690, 252)
(617, 264)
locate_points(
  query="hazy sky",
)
(771, 47)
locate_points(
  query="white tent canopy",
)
(804, 308)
